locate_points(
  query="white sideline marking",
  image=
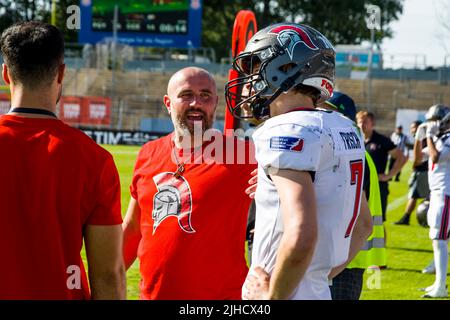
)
(125, 152)
(397, 203)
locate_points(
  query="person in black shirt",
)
(418, 181)
(380, 148)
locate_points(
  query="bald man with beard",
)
(187, 216)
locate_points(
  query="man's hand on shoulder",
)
(253, 182)
(256, 285)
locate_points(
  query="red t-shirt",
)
(54, 180)
(193, 227)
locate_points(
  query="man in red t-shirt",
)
(187, 217)
(57, 186)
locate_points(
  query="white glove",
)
(432, 129)
(421, 132)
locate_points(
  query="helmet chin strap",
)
(262, 110)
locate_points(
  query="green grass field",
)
(408, 247)
(125, 157)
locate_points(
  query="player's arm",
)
(103, 237)
(131, 232)
(298, 205)
(417, 153)
(106, 269)
(431, 131)
(297, 245)
(399, 162)
(433, 152)
(362, 231)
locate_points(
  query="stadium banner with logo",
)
(165, 23)
(70, 109)
(5, 103)
(96, 111)
(87, 111)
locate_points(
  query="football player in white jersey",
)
(310, 163)
(437, 132)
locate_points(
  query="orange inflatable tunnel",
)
(244, 28)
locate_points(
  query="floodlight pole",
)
(113, 60)
(373, 21)
(445, 73)
(369, 73)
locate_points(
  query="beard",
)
(189, 127)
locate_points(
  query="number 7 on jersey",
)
(356, 177)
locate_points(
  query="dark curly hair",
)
(32, 51)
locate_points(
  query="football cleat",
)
(430, 269)
(436, 293)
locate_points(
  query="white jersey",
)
(439, 173)
(332, 149)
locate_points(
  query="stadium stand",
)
(137, 94)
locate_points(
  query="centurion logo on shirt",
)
(286, 143)
(173, 199)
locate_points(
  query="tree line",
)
(342, 22)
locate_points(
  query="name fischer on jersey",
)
(351, 140)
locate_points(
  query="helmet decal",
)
(289, 36)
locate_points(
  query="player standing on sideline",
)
(418, 181)
(310, 162)
(188, 216)
(400, 141)
(437, 133)
(58, 187)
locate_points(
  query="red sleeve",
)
(107, 209)
(141, 158)
(133, 186)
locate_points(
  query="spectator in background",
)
(400, 140)
(412, 129)
(58, 188)
(379, 148)
(418, 180)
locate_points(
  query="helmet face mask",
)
(256, 89)
(275, 60)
